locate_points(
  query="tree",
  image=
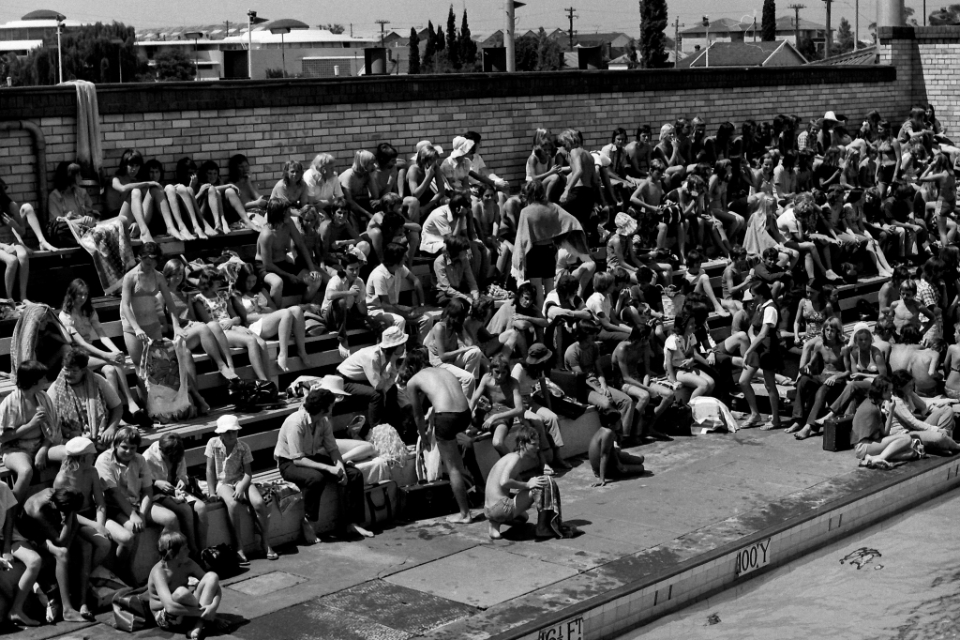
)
(844, 36)
(453, 44)
(333, 28)
(468, 48)
(414, 64)
(808, 49)
(549, 53)
(768, 27)
(173, 64)
(439, 40)
(430, 52)
(946, 16)
(653, 20)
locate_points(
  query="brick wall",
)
(274, 121)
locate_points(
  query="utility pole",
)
(796, 22)
(510, 34)
(826, 44)
(856, 25)
(571, 16)
(676, 42)
(382, 24)
(754, 28)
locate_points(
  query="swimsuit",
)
(144, 306)
(447, 424)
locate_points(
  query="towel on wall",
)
(89, 148)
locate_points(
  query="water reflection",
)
(911, 592)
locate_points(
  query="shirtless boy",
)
(272, 263)
(513, 484)
(172, 600)
(583, 184)
(631, 360)
(606, 458)
(451, 415)
(505, 401)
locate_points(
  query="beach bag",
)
(425, 501)
(379, 500)
(709, 414)
(220, 559)
(163, 369)
(104, 584)
(131, 609)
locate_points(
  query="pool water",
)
(911, 591)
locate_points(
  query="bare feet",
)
(461, 518)
(723, 313)
(344, 352)
(46, 246)
(493, 530)
(72, 615)
(186, 235)
(202, 407)
(176, 235)
(146, 236)
(282, 363)
(354, 527)
(211, 231)
(202, 235)
(228, 372)
(23, 620)
(86, 613)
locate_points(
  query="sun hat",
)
(333, 384)
(227, 423)
(748, 296)
(461, 147)
(538, 353)
(80, 446)
(392, 337)
(830, 116)
(857, 328)
(626, 225)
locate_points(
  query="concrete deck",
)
(650, 545)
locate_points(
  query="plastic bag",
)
(163, 369)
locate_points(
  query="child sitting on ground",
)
(173, 600)
(230, 478)
(607, 459)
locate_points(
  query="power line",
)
(796, 20)
(571, 16)
(382, 23)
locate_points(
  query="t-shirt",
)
(131, 479)
(678, 348)
(340, 284)
(762, 272)
(382, 283)
(584, 357)
(599, 304)
(527, 383)
(229, 468)
(318, 189)
(868, 423)
(787, 222)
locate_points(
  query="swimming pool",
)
(911, 590)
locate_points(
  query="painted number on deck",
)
(753, 557)
(567, 630)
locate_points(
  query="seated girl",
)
(387, 225)
(681, 358)
(68, 201)
(273, 261)
(813, 310)
(542, 165)
(81, 321)
(30, 436)
(173, 601)
(359, 190)
(875, 446)
(154, 172)
(336, 231)
(13, 595)
(211, 305)
(13, 216)
(185, 190)
(256, 310)
(245, 201)
(322, 183)
(13, 254)
(209, 335)
(424, 181)
(291, 186)
(700, 282)
(733, 282)
(134, 201)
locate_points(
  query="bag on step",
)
(131, 609)
(379, 500)
(428, 500)
(221, 559)
(105, 584)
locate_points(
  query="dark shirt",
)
(768, 275)
(867, 423)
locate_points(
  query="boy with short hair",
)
(768, 270)
(173, 601)
(230, 477)
(606, 458)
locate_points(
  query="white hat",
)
(80, 446)
(392, 337)
(333, 384)
(830, 115)
(461, 147)
(857, 328)
(747, 296)
(226, 423)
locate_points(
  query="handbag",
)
(379, 500)
(252, 395)
(837, 433)
(428, 500)
(131, 609)
(220, 559)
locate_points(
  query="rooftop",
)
(785, 24)
(741, 54)
(863, 55)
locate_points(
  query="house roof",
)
(726, 25)
(737, 54)
(863, 56)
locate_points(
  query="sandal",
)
(272, 555)
(753, 421)
(770, 426)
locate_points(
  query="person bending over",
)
(173, 602)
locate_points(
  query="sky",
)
(483, 15)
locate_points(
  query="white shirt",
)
(383, 283)
(340, 284)
(319, 189)
(599, 304)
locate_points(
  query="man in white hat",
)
(370, 374)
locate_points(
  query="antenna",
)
(382, 23)
(571, 16)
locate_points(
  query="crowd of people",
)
(571, 274)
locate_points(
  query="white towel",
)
(89, 147)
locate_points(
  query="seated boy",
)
(499, 394)
(700, 282)
(606, 458)
(172, 600)
(767, 270)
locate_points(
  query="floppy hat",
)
(830, 116)
(392, 337)
(333, 384)
(626, 225)
(461, 147)
(80, 446)
(227, 423)
(538, 353)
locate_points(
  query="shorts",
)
(502, 511)
(541, 261)
(167, 621)
(447, 425)
(886, 173)
(861, 450)
(766, 357)
(257, 327)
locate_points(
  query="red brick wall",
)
(274, 121)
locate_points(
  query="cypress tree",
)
(653, 20)
(414, 64)
(430, 53)
(453, 45)
(468, 48)
(768, 27)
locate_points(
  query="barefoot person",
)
(606, 458)
(173, 601)
(514, 485)
(308, 456)
(451, 415)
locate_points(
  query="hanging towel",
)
(89, 148)
(23, 345)
(109, 245)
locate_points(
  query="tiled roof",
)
(866, 55)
